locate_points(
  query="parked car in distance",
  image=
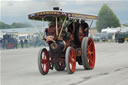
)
(102, 37)
(120, 37)
(97, 37)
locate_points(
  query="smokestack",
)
(56, 8)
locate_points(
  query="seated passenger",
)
(52, 29)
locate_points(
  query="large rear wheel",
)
(88, 53)
(43, 61)
(70, 59)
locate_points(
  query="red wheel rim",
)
(91, 53)
(45, 61)
(72, 60)
(81, 33)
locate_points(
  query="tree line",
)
(14, 25)
(107, 18)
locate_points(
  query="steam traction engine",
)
(67, 42)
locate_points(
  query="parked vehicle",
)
(97, 37)
(120, 37)
(22, 37)
(102, 37)
(9, 41)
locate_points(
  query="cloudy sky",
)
(17, 10)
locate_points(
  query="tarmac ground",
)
(19, 67)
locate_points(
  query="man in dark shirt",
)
(22, 43)
(26, 42)
(85, 27)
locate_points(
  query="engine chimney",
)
(56, 8)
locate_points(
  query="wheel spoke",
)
(90, 61)
(90, 45)
(69, 60)
(72, 61)
(89, 57)
(92, 52)
(43, 61)
(43, 66)
(72, 53)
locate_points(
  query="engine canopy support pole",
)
(43, 28)
(91, 24)
(62, 27)
(56, 27)
(37, 28)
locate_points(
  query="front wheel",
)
(43, 61)
(88, 53)
(70, 59)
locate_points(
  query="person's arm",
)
(86, 27)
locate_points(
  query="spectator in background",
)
(35, 42)
(16, 43)
(1, 44)
(6, 44)
(26, 43)
(22, 43)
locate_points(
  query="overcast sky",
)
(17, 10)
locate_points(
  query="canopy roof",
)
(47, 15)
